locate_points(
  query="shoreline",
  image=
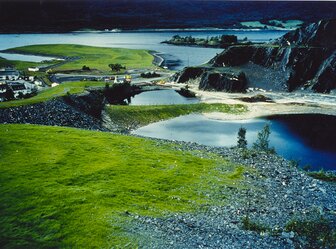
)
(284, 103)
(158, 60)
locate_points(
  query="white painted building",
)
(9, 74)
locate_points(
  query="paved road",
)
(61, 78)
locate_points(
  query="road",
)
(61, 78)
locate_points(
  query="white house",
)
(33, 69)
(9, 74)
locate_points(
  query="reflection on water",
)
(161, 97)
(307, 145)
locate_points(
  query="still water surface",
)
(161, 97)
(24, 57)
(139, 40)
(309, 139)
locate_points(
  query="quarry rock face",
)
(307, 55)
(306, 58)
(188, 73)
(223, 82)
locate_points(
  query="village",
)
(13, 85)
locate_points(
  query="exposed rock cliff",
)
(209, 79)
(223, 82)
(306, 56)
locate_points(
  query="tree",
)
(116, 67)
(9, 94)
(262, 143)
(242, 142)
(228, 39)
(85, 68)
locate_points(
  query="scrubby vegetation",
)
(250, 225)
(329, 176)
(315, 228)
(150, 75)
(70, 188)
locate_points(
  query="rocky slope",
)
(71, 111)
(304, 58)
(281, 195)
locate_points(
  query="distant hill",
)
(62, 15)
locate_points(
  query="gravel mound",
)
(53, 113)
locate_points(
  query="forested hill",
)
(68, 15)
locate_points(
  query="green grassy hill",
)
(70, 188)
(94, 57)
(54, 92)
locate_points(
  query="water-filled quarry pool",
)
(309, 139)
(161, 97)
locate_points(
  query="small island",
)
(222, 41)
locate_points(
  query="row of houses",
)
(9, 74)
(15, 86)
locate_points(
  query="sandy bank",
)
(284, 103)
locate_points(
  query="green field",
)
(71, 188)
(134, 116)
(20, 65)
(54, 92)
(94, 57)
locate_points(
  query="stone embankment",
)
(276, 194)
(54, 113)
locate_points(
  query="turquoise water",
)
(308, 139)
(139, 40)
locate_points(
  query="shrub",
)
(242, 142)
(116, 67)
(318, 231)
(150, 75)
(250, 225)
(329, 176)
(85, 68)
(262, 143)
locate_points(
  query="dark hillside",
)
(61, 15)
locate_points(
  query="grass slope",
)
(70, 188)
(133, 116)
(20, 65)
(93, 57)
(54, 92)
